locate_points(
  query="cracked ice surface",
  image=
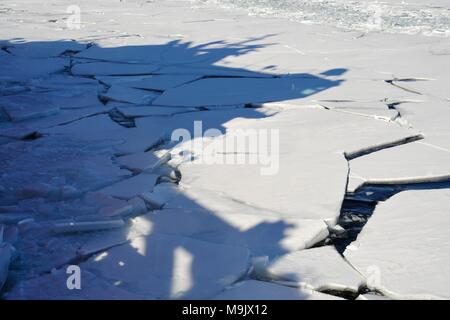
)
(89, 176)
(312, 147)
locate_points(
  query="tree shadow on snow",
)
(192, 251)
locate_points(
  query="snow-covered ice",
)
(102, 162)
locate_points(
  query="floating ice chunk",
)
(129, 95)
(404, 248)
(111, 69)
(258, 290)
(319, 269)
(166, 267)
(131, 187)
(53, 286)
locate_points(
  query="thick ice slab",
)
(310, 169)
(165, 267)
(404, 248)
(316, 268)
(258, 290)
(412, 162)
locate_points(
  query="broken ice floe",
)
(319, 269)
(410, 163)
(290, 166)
(405, 239)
